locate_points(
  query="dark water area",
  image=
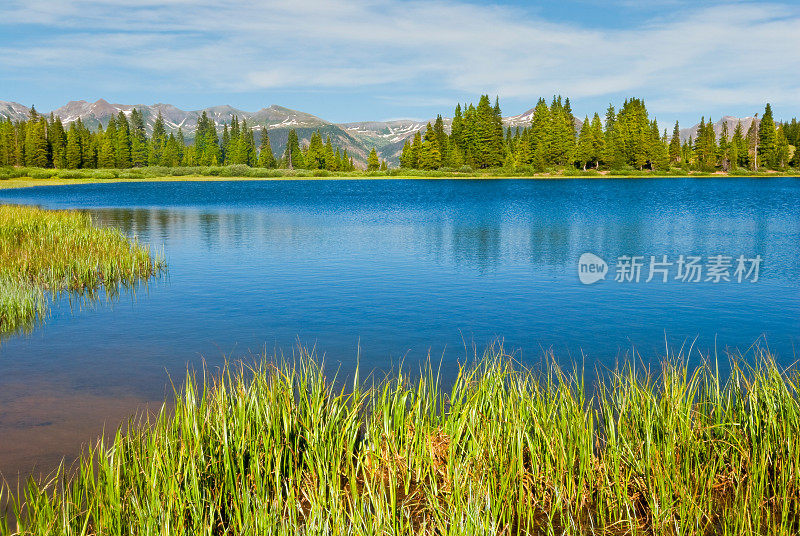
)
(394, 271)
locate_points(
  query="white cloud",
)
(733, 53)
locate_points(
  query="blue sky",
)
(351, 60)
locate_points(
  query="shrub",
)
(42, 173)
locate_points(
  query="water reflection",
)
(454, 235)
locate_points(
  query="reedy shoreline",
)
(48, 252)
(277, 449)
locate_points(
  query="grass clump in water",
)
(506, 450)
(55, 251)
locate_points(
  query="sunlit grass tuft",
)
(278, 449)
(55, 251)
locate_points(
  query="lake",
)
(392, 271)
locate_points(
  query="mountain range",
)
(358, 138)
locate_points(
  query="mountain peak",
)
(521, 120)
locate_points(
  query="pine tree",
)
(723, 148)
(416, 149)
(441, 137)
(181, 145)
(237, 148)
(138, 139)
(793, 132)
(738, 148)
(315, 155)
(753, 150)
(569, 119)
(430, 157)
(498, 144)
(687, 151)
(793, 136)
(247, 145)
(57, 140)
(19, 142)
(123, 142)
(327, 155)
(36, 148)
(206, 143)
(469, 138)
(73, 154)
(561, 134)
(293, 156)
(172, 155)
(225, 148)
(598, 140)
(372, 162)
(266, 158)
(585, 151)
(7, 142)
(699, 145)
(158, 141)
(767, 139)
(632, 134)
(108, 146)
(229, 144)
(457, 130)
(539, 135)
(610, 156)
(347, 162)
(706, 145)
(781, 158)
(675, 145)
(711, 144)
(89, 148)
(658, 154)
(405, 155)
(488, 149)
(337, 161)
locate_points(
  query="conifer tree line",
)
(624, 138)
(123, 143)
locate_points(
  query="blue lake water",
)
(395, 270)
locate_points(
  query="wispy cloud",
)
(737, 53)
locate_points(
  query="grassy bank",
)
(278, 450)
(45, 251)
(21, 177)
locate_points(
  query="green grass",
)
(45, 251)
(277, 449)
(19, 177)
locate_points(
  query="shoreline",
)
(30, 182)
